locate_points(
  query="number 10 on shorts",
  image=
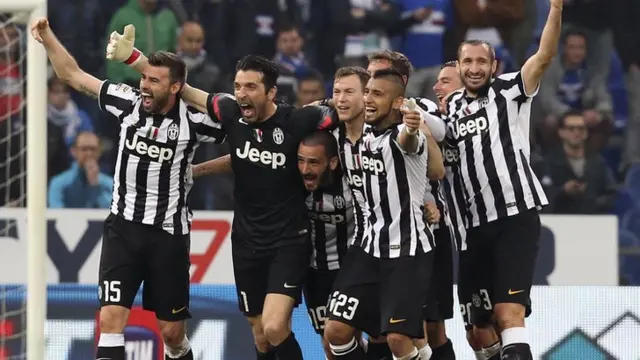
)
(110, 290)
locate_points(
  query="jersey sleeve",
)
(306, 120)
(206, 129)
(422, 141)
(432, 118)
(220, 106)
(511, 86)
(117, 99)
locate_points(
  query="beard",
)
(474, 87)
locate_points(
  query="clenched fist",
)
(38, 28)
(120, 47)
(411, 117)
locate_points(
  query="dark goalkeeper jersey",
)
(269, 194)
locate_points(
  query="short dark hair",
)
(286, 27)
(56, 81)
(398, 61)
(571, 113)
(448, 64)
(325, 139)
(312, 75)
(177, 67)
(392, 75)
(261, 64)
(572, 31)
(353, 70)
(475, 42)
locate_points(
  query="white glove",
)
(120, 47)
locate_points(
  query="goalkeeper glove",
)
(120, 47)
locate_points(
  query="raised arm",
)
(121, 48)
(535, 66)
(64, 65)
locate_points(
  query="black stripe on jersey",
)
(489, 166)
(182, 196)
(475, 182)
(320, 234)
(529, 176)
(142, 169)
(404, 194)
(110, 100)
(122, 174)
(510, 159)
(386, 215)
(342, 230)
(372, 215)
(453, 213)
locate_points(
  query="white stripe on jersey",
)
(331, 212)
(491, 134)
(153, 177)
(394, 188)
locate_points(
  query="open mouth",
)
(370, 110)
(475, 77)
(309, 180)
(147, 99)
(248, 111)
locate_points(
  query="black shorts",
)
(133, 253)
(498, 265)
(439, 306)
(279, 270)
(381, 296)
(317, 289)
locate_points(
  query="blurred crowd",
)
(585, 128)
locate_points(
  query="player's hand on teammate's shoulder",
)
(325, 102)
(120, 46)
(411, 116)
(39, 27)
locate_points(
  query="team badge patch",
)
(173, 131)
(278, 136)
(339, 202)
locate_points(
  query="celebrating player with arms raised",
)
(270, 237)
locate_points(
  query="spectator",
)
(578, 182)
(156, 30)
(250, 27)
(83, 185)
(291, 61)
(310, 89)
(202, 72)
(64, 113)
(566, 86)
(626, 29)
(594, 18)
(57, 151)
(427, 22)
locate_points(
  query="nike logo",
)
(174, 311)
(287, 286)
(513, 292)
(241, 121)
(395, 321)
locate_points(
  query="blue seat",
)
(630, 268)
(628, 238)
(631, 221)
(632, 182)
(624, 202)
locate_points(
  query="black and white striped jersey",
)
(394, 188)
(491, 134)
(452, 190)
(352, 172)
(332, 223)
(152, 178)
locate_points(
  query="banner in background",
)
(567, 323)
(574, 250)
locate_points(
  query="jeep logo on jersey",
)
(373, 165)
(273, 159)
(451, 156)
(468, 127)
(330, 218)
(354, 180)
(148, 149)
